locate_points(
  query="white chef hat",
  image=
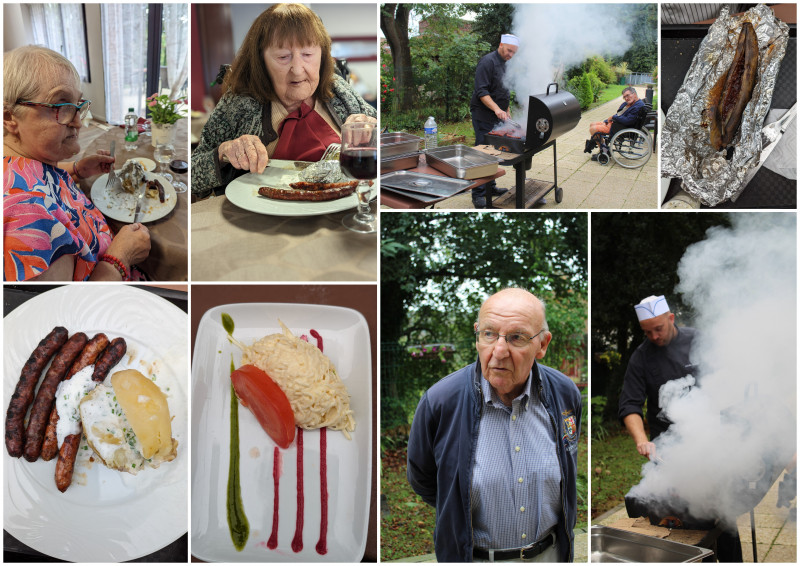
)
(651, 307)
(509, 39)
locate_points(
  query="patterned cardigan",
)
(237, 115)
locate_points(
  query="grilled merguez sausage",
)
(110, 357)
(87, 357)
(23, 394)
(68, 451)
(315, 195)
(43, 404)
(729, 97)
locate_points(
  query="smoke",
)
(555, 37)
(732, 431)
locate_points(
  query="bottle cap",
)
(130, 109)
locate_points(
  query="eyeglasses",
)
(516, 339)
(65, 111)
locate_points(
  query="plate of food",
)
(303, 491)
(116, 505)
(147, 164)
(318, 188)
(120, 204)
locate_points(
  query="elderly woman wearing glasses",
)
(51, 230)
(283, 100)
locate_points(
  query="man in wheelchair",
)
(626, 117)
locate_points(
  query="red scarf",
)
(304, 136)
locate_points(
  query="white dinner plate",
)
(121, 205)
(243, 192)
(105, 515)
(147, 164)
(349, 463)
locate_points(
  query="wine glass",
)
(359, 160)
(163, 154)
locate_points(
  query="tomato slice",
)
(267, 401)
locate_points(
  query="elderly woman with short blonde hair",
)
(282, 100)
(51, 230)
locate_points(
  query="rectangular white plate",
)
(346, 342)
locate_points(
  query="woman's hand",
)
(131, 245)
(246, 152)
(360, 118)
(96, 164)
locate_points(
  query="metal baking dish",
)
(398, 162)
(398, 143)
(616, 545)
(462, 162)
(424, 183)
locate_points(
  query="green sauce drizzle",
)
(227, 323)
(237, 520)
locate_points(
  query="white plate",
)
(346, 342)
(121, 205)
(105, 515)
(148, 164)
(243, 192)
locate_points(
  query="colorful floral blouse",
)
(45, 216)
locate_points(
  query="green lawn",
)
(407, 528)
(616, 467)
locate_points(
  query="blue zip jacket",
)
(441, 453)
(629, 117)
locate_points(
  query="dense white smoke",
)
(734, 430)
(555, 37)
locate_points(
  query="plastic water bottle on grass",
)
(431, 134)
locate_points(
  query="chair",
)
(631, 147)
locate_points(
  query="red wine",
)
(360, 163)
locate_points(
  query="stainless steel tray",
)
(424, 199)
(424, 183)
(616, 545)
(398, 162)
(398, 143)
(462, 162)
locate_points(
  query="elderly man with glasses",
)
(493, 446)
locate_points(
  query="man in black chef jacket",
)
(662, 357)
(489, 104)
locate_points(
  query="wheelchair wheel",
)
(603, 158)
(631, 148)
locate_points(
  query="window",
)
(62, 28)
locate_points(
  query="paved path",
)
(776, 529)
(586, 183)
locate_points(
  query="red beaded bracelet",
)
(118, 264)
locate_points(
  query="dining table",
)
(396, 200)
(169, 236)
(230, 243)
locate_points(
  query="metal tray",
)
(424, 183)
(398, 162)
(616, 545)
(424, 199)
(398, 143)
(462, 162)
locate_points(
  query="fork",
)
(332, 152)
(112, 175)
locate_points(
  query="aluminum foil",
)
(686, 149)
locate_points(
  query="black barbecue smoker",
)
(550, 115)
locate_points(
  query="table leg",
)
(519, 171)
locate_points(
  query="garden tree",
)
(635, 255)
(437, 269)
(491, 21)
(394, 25)
(643, 53)
(394, 20)
(444, 60)
(585, 91)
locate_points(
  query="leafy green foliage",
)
(643, 53)
(492, 21)
(600, 68)
(585, 92)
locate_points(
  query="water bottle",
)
(431, 134)
(131, 130)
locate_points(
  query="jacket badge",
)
(570, 428)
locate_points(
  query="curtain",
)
(176, 25)
(124, 29)
(61, 28)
